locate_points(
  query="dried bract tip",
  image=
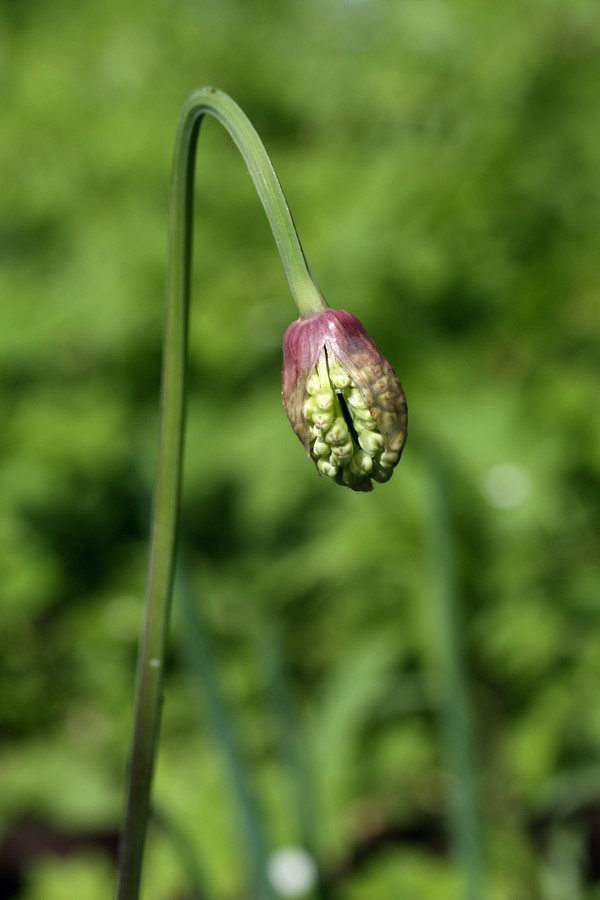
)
(343, 399)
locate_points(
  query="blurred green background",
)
(442, 162)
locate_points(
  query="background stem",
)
(159, 582)
(197, 654)
(452, 685)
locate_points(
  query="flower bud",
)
(338, 432)
(342, 453)
(370, 441)
(343, 399)
(361, 463)
(320, 448)
(327, 467)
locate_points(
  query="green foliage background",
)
(442, 163)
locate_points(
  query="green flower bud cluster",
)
(345, 440)
(343, 399)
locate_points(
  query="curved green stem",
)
(159, 582)
(208, 100)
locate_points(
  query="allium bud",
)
(343, 399)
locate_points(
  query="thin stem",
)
(455, 714)
(159, 582)
(208, 100)
(196, 650)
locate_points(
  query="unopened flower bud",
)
(338, 432)
(323, 419)
(324, 399)
(342, 453)
(313, 385)
(321, 448)
(370, 441)
(327, 468)
(361, 463)
(354, 398)
(343, 399)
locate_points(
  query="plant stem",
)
(208, 100)
(159, 581)
(455, 718)
(197, 653)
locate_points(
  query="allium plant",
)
(343, 399)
